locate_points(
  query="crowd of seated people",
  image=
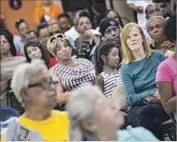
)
(66, 80)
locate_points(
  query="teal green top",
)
(139, 77)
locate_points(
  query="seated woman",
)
(72, 73)
(155, 27)
(166, 76)
(107, 66)
(36, 91)
(35, 50)
(9, 61)
(138, 71)
(87, 40)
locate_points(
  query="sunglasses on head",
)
(62, 36)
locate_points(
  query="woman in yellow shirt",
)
(36, 90)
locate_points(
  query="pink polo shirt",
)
(167, 71)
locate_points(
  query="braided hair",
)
(104, 49)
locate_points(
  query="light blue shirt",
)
(136, 134)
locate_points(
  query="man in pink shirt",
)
(166, 76)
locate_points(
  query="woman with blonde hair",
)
(138, 72)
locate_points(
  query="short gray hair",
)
(79, 109)
(23, 75)
(153, 18)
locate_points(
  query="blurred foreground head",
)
(91, 116)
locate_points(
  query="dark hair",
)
(45, 55)
(32, 31)
(120, 20)
(41, 26)
(8, 35)
(104, 49)
(18, 22)
(83, 14)
(170, 28)
(158, 1)
(63, 15)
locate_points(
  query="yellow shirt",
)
(54, 128)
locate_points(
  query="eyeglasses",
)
(45, 84)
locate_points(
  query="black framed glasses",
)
(45, 84)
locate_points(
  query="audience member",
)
(111, 13)
(45, 10)
(139, 7)
(65, 22)
(107, 67)
(19, 41)
(36, 91)
(31, 36)
(87, 39)
(35, 50)
(9, 61)
(98, 120)
(155, 27)
(165, 7)
(153, 10)
(53, 26)
(109, 28)
(166, 77)
(138, 71)
(43, 32)
(72, 73)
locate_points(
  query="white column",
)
(108, 4)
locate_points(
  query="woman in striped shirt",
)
(73, 73)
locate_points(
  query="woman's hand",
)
(151, 100)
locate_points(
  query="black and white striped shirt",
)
(76, 77)
(110, 83)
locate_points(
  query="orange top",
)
(40, 12)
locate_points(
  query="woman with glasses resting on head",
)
(72, 73)
(36, 90)
(138, 72)
(35, 50)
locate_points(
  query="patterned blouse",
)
(76, 77)
(110, 83)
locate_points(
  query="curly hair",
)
(104, 49)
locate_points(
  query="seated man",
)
(98, 120)
(31, 36)
(153, 9)
(36, 90)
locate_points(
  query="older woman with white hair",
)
(35, 88)
(155, 27)
(93, 118)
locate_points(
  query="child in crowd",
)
(109, 78)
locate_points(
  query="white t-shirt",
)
(140, 16)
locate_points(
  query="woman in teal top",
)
(138, 72)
